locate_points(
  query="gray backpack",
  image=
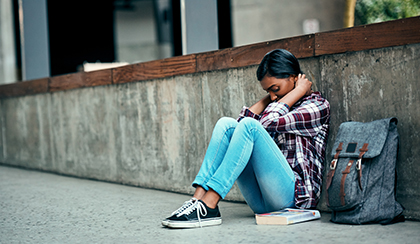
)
(362, 177)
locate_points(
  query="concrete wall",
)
(154, 133)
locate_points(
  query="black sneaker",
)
(184, 206)
(197, 215)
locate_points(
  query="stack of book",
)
(287, 216)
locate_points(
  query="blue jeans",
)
(245, 152)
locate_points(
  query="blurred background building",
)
(41, 38)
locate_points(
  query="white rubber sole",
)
(165, 222)
(192, 224)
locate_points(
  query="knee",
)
(226, 122)
(249, 122)
(249, 125)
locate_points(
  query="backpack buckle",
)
(359, 164)
(333, 164)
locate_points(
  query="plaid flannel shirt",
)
(301, 134)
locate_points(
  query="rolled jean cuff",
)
(215, 186)
(219, 188)
(199, 182)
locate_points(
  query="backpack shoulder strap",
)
(332, 168)
(362, 150)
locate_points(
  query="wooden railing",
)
(386, 34)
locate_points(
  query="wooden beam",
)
(66, 82)
(380, 35)
(98, 78)
(80, 79)
(155, 69)
(301, 46)
(24, 88)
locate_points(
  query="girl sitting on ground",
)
(275, 150)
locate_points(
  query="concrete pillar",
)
(7, 43)
(164, 26)
(33, 24)
(199, 26)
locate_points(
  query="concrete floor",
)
(38, 207)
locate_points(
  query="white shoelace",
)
(184, 206)
(201, 210)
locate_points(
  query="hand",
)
(304, 84)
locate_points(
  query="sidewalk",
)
(38, 207)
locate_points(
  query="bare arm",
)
(302, 88)
(258, 107)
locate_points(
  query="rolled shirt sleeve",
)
(245, 112)
(305, 120)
